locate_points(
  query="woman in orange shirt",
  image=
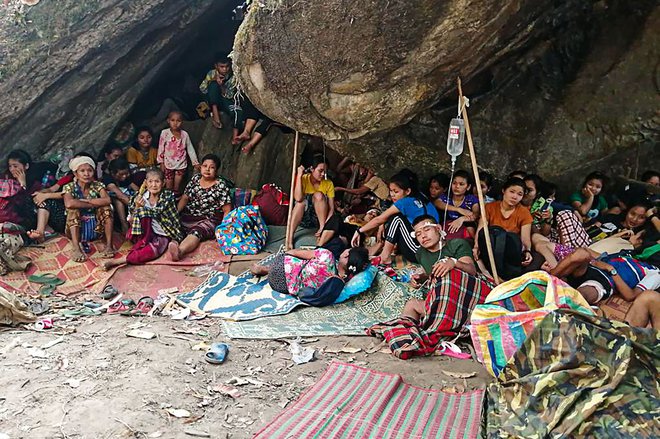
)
(512, 216)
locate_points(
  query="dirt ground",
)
(99, 383)
(96, 382)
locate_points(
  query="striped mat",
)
(353, 402)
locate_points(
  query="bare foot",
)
(236, 141)
(107, 265)
(259, 270)
(318, 233)
(244, 136)
(36, 236)
(173, 250)
(109, 252)
(78, 255)
(247, 149)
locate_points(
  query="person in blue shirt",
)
(597, 277)
(397, 220)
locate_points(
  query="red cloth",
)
(148, 246)
(448, 308)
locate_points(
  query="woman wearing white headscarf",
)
(88, 213)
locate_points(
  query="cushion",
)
(360, 283)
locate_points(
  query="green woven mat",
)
(382, 302)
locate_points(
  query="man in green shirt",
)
(437, 258)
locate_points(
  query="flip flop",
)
(217, 353)
(46, 279)
(452, 350)
(121, 306)
(142, 308)
(109, 292)
(47, 290)
(80, 312)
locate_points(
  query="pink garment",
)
(300, 273)
(148, 246)
(174, 152)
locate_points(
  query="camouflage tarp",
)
(578, 376)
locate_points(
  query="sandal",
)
(80, 312)
(46, 279)
(121, 306)
(142, 308)
(217, 353)
(109, 292)
(452, 350)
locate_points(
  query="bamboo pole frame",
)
(292, 200)
(480, 195)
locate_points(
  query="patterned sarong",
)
(448, 308)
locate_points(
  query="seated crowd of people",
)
(166, 200)
(600, 242)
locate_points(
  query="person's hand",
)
(139, 201)
(19, 174)
(456, 225)
(197, 167)
(475, 253)
(339, 189)
(355, 242)
(441, 268)
(220, 79)
(587, 192)
(651, 212)
(546, 214)
(602, 265)
(465, 212)
(527, 258)
(301, 170)
(39, 198)
(417, 280)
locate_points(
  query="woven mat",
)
(382, 302)
(354, 402)
(55, 258)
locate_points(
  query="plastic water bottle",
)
(45, 180)
(456, 138)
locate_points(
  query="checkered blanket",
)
(448, 308)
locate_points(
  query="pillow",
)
(359, 284)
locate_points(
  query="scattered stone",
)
(179, 413)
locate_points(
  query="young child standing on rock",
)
(174, 149)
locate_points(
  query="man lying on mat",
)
(437, 258)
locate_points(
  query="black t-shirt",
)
(108, 179)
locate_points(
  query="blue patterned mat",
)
(238, 298)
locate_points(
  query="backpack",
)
(507, 252)
(273, 203)
(242, 232)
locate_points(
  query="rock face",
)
(340, 69)
(71, 70)
(559, 88)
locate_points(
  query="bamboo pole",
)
(289, 232)
(480, 195)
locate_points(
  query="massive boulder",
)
(340, 69)
(559, 88)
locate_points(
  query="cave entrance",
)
(177, 81)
